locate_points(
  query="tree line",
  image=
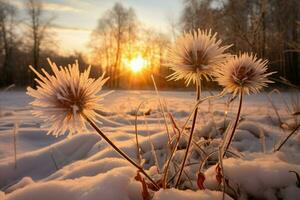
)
(120, 37)
(26, 40)
(269, 28)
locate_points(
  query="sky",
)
(75, 19)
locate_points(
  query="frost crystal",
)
(245, 72)
(63, 99)
(195, 54)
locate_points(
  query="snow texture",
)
(84, 167)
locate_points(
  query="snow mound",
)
(112, 185)
(41, 163)
(22, 183)
(188, 195)
(264, 177)
(87, 168)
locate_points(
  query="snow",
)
(43, 162)
(22, 183)
(114, 184)
(188, 195)
(260, 177)
(84, 167)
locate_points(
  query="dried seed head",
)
(63, 99)
(243, 72)
(195, 54)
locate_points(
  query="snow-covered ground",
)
(84, 167)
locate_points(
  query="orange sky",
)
(75, 19)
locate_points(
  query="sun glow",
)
(137, 64)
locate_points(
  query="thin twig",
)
(235, 123)
(136, 133)
(124, 155)
(15, 131)
(53, 159)
(297, 176)
(198, 90)
(213, 153)
(286, 139)
(197, 145)
(184, 172)
(162, 108)
(222, 171)
(139, 157)
(183, 128)
(230, 100)
(164, 182)
(274, 107)
(286, 82)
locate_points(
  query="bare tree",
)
(38, 26)
(266, 27)
(115, 32)
(197, 14)
(7, 39)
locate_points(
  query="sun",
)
(137, 64)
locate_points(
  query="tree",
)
(38, 28)
(267, 28)
(197, 14)
(7, 40)
(116, 31)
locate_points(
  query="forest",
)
(269, 28)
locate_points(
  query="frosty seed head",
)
(243, 72)
(195, 54)
(64, 98)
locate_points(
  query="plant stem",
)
(162, 108)
(136, 135)
(284, 141)
(166, 170)
(180, 132)
(198, 90)
(121, 152)
(235, 123)
(15, 143)
(222, 173)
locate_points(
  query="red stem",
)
(235, 123)
(198, 89)
(121, 152)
